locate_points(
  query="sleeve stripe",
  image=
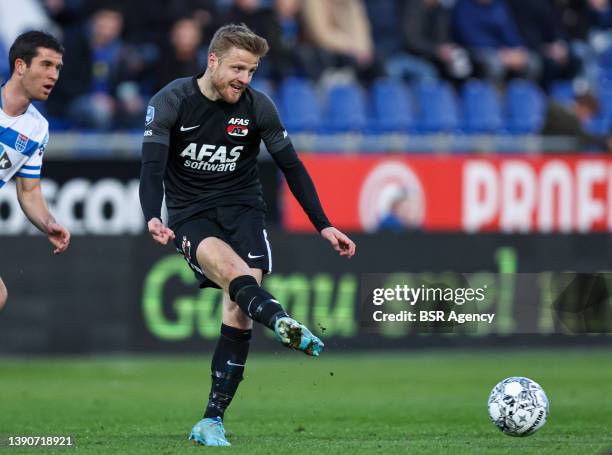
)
(28, 176)
(31, 168)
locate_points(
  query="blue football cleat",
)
(209, 432)
(295, 335)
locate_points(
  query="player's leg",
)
(229, 358)
(227, 370)
(223, 265)
(3, 294)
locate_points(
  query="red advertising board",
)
(509, 193)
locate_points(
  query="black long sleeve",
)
(154, 159)
(301, 185)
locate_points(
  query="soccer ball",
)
(518, 406)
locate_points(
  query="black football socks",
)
(227, 369)
(256, 302)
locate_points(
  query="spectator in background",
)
(302, 59)
(587, 24)
(68, 14)
(183, 56)
(340, 29)
(570, 121)
(263, 20)
(406, 212)
(387, 31)
(95, 91)
(488, 31)
(426, 33)
(203, 12)
(573, 18)
(540, 29)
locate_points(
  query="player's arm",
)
(302, 187)
(151, 191)
(161, 115)
(35, 208)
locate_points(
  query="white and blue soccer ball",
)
(518, 406)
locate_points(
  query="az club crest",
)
(238, 127)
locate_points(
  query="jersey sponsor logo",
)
(238, 127)
(21, 142)
(211, 157)
(251, 256)
(5, 162)
(150, 115)
(238, 121)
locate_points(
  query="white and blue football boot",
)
(209, 432)
(295, 335)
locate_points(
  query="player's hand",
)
(160, 233)
(59, 237)
(340, 242)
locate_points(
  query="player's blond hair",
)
(239, 36)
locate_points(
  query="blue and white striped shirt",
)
(22, 143)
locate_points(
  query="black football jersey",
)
(212, 146)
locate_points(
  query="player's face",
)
(232, 73)
(39, 78)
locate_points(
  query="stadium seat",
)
(605, 64)
(480, 107)
(346, 110)
(524, 107)
(391, 106)
(437, 108)
(263, 85)
(605, 100)
(562, 92)
(299, 105)
(599, 125)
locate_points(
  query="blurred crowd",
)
(119, 53)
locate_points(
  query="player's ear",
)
(213, 60)
(20, 66)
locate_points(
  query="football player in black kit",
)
(201, 140)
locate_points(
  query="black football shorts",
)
(240, 226)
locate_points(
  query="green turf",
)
(420, 403)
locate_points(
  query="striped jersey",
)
(22, 143)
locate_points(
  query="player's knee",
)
(3, 295)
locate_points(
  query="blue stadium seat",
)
(605, 100)
(391, 106)
(605, 64)
(562, 92)
(525, 107)
(480, 107)
(299, 105)
(437, 108)
(599, 125)
(263, 85)
(346, 110)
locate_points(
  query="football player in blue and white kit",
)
(35, 60)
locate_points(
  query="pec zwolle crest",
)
(21, 143)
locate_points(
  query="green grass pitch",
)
(412, 402)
